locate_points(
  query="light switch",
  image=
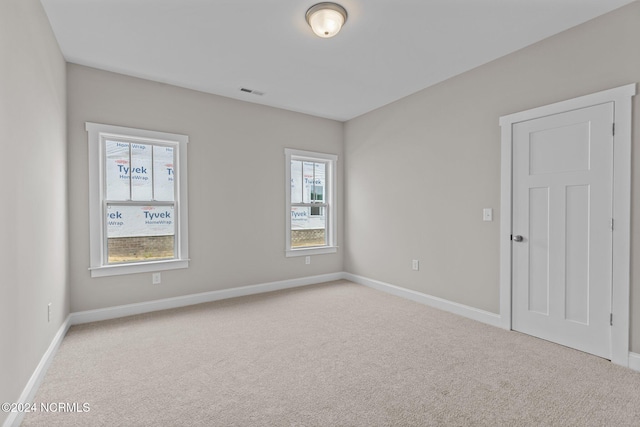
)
(487, 214)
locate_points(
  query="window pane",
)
(317, 210)
(296, 181)
(140, 233)
(306, 229)
(317, 188)
(314, 182)
(141, 185)
(307, 174)
(317, 192)
(117, 170)
(163, 176)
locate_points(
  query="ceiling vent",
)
(251, 91)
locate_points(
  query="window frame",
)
(329, 202)
(97, 135)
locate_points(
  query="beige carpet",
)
(338, 354)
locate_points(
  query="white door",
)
(562, 228)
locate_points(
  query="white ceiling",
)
(388, 48)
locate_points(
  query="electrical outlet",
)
(415, 265)
(156, 278)
(307, 260)
(49, 312)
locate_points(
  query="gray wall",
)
(420, 170)
(33, 216)
(236, 219)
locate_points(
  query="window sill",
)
(139, 267)
(311, 251)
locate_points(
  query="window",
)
(138, 200)
(310, 197)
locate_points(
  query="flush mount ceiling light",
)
(326, 19)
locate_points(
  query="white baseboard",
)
(15, 418)
(440, 303)
(634, 361)
(182, 301)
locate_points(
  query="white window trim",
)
(330, 198)
(96, 132)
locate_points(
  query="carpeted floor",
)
(338, 354)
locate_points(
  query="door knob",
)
(517, 238)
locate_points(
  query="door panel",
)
(539, 250)
(547, 146)
(577, 254)
(562, 206)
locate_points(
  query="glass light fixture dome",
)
(326, 19)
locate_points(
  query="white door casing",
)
(562, 209)
(619, 100)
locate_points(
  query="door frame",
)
(622, 110)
